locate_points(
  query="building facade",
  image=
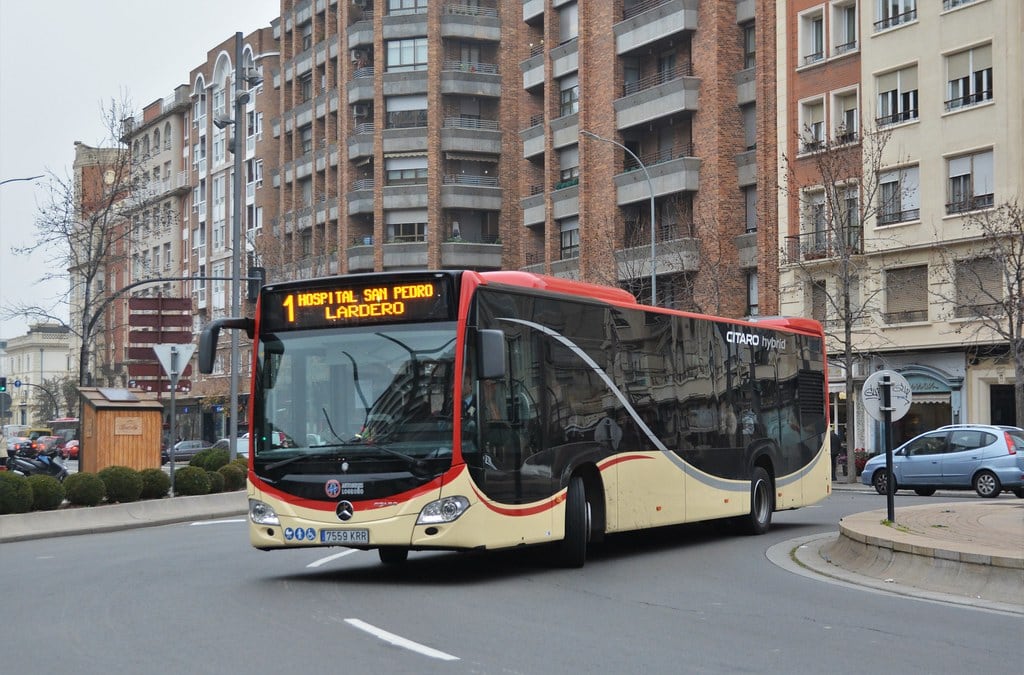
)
(939, 87)
(39, 360)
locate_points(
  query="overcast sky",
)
(61, 62)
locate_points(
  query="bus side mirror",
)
(491, 350)
(208, 339)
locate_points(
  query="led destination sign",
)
(345, 303)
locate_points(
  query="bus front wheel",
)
(573, 549)
(761, 503)
(393, 555)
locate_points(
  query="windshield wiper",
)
(417, 467)
(295, 458)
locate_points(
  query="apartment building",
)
(210, 133)
(939, 87)
(38, 359)
(448, 134)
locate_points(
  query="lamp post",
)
(12, 180)
(650, 187)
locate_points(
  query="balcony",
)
(532, 10)
(896, 118)
(975, 203)
(888, 217)
(565, 58)
(360, 142)
(823, 245)
(533, 71)
(470, 78)
(533, 138)
(746, 86)
(463, 191)
(676, 250)
(405, 255)
(746, 168)
(672, 171)
(649, 21)
(657, 96)
(470, 21)
(360, 198)
(471, 254)
(465, 133)
(909, 316)
(565, 200)
(360, 87)
(533, 208)
(968, 100)
(896, 20)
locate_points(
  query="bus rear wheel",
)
(393, 555)
(761, 503)
(572, 551)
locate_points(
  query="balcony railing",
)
(846, 47)
(978, 311)
(908, 316)
(893, 217)
(464, 122)
(677, 151)
(466, 179)
(968, 100)
(953, 4)
(471, 9)
(814, 57)
(660, 77)
(896, 117)
(365, 71)
(362, 184)
(971, 204)
(633, 9)
(470, 67)
(896, 20)
(823, 244)
(406, 119)
(363, 128)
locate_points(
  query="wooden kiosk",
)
(120, 427)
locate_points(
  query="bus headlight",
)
(262, 514)
(443, 511)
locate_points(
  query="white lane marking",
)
(324, 561)
(400, 641)
(218, 522)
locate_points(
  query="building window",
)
(306, 243)
(897, 96)
(844, 28)
(405, 112)
(569, 230)
(406, 170)
(819, 300)
(406, 55)
(750, 208)
(306, 33)
(846, 117)
(306, 86)
(569, 87)
(306, 138)
(569, 167)
(979, 287)
(812, 36)
(568, 22)
(906, 294)
(812, 123)
(749, 114)
(969, 77)
(970, 185)
(749, 45)
(898, 198)
(752, 306)
(891, 13)
(398, 7)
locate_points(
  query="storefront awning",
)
(471, 157)
(930, 398)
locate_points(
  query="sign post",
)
(173, 358)
(887, 396)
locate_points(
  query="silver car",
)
(987, 458)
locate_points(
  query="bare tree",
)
(985, 285)
(81, 228)
(838, 186)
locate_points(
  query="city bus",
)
(462, 410)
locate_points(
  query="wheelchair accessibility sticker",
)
(299, 534)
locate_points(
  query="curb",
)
(111, 517)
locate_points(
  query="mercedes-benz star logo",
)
(345, 510)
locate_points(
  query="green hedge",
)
(234, 477)
(84, 489)
(122, 483)
(191, 480)
(155, 483)
(210, 459)
(47, 492)
(15, 493)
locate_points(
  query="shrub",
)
(242, 462)
(47, 492)
(84, 489)
(210, 459)
(191, 480)
(15, 493)
(216, 481)
(155, 483)
(234, 477)
(123, 484)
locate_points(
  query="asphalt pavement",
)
(964, 550)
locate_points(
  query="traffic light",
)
(3, 384)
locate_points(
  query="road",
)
(194, 598)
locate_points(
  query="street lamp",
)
(11, 180)
(650, 187)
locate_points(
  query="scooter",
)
(45, 464)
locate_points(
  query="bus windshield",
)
(381, 392)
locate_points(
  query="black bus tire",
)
(572, 551)
(761, 503)
(393, 555)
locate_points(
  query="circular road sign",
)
(900, 395)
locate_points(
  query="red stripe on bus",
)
(618, 460)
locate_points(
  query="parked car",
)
(984, 457)
(47, 443)
(241, 445)
(184, 450)
(19, 445)
(70, 449)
